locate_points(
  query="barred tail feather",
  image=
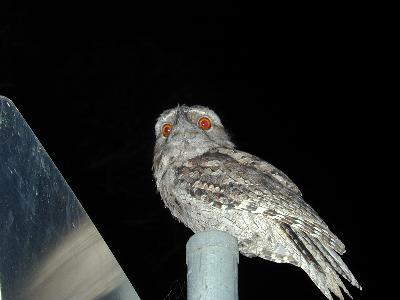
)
(337, 263)
(331, 279)
(305, 260)
(322, 264)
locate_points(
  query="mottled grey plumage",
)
(208, 184)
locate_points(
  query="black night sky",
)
(290, 85)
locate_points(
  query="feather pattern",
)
(207, 184)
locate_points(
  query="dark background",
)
(292, 85)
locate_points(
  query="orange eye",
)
(166, 129)
(204, 123)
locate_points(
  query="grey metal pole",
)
(212, 258)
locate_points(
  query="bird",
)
(207, 184)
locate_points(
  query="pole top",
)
(211, 239)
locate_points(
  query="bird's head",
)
(184, 132)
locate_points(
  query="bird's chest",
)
(199, 215)
(193, 212)
(168, 192)
(196, 213)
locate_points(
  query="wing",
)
(233, 180)
(266, 168)
(230, 179)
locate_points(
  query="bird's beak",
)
(180, 113)
(182, 125)
(181, 118)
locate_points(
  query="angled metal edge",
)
(49, 247)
